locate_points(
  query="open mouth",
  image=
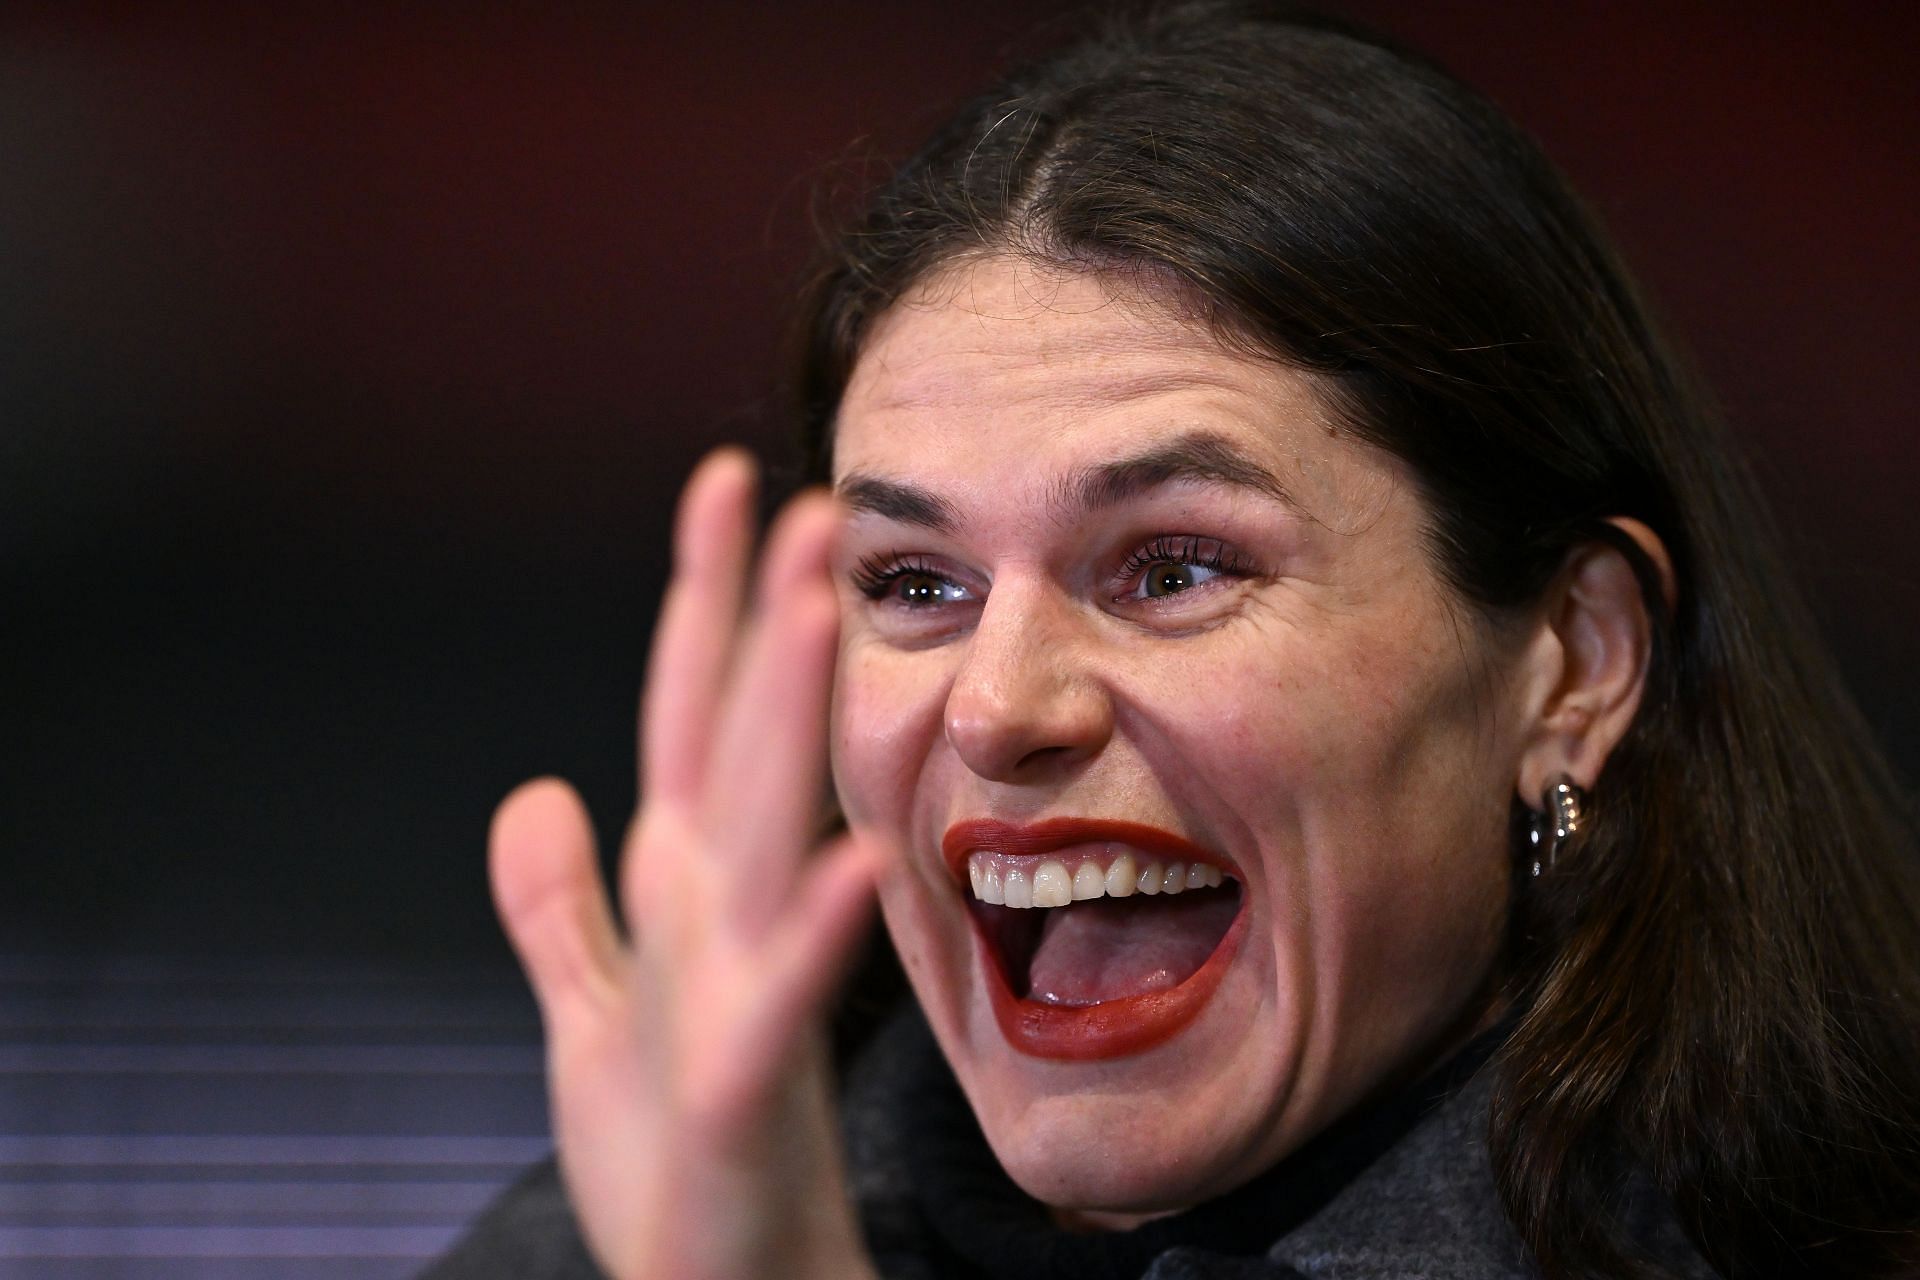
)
(1098, 938)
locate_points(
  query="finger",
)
(806, 958)
(694, 637)
(818, 939)
(546, 887)
(767, 783)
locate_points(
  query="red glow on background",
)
(349, 363)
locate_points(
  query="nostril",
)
(1042, 755)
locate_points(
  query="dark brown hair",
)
(1718, 983)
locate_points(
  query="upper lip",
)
(994, 836)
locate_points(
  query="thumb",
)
(547, 889)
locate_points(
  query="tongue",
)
(1107, 948)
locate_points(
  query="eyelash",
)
(1188, 549)
(875, 575)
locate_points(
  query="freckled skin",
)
(1331, 722)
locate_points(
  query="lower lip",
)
(1112, 1028)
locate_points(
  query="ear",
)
(1589, 660)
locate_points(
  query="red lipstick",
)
(1110, 1028)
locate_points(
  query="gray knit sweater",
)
(1403, 1193)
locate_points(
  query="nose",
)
(1029, 698)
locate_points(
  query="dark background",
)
(349, 364)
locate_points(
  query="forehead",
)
(996, 372)
(1057, 338)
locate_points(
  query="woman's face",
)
(1117, 599)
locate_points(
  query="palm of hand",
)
(689, 1099)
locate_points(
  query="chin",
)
(1115, 1157)
(1112, 1087)
(1146, 1132)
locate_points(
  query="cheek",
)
(1364, 775)
(887, 710)
(1403, 833)
(1255, 724)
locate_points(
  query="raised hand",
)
(689, 1092)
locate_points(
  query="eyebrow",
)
(895, 500)
(1201, 457)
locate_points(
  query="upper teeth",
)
(1008, 881)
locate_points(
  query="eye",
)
(1170, 566)
(1169, 578)
(920, 589)
(909, 583)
